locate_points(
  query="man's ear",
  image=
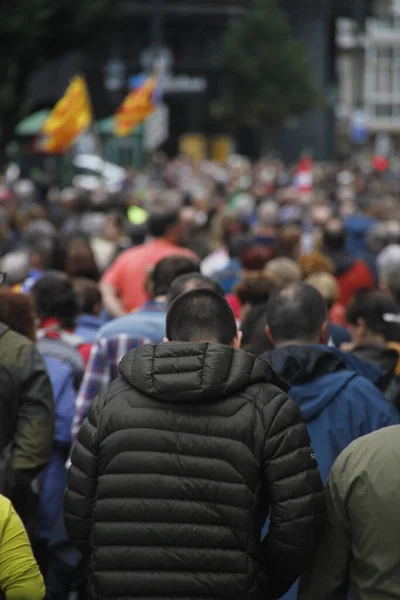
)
(362, 327)
(165, 340)
(237, 340)
(324, 334)
(269, 335)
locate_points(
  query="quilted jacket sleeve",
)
(82, 481)
(295, 492)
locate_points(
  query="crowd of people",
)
(185, 364)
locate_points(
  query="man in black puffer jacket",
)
(180, 461)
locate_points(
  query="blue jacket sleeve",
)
(373, 409)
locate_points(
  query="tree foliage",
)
(266, 76)
(33, 32)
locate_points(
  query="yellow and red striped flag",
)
(69, 118)
(136, 107)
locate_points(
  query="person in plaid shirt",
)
(107, 353)
(102, 368)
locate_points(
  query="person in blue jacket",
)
(338, 404)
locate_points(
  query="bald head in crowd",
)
(297, 315)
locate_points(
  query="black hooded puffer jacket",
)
(174, 473)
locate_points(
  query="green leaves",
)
(265, 71)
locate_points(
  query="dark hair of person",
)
(380, 313)
(251, 321)
(334, 236)
(237, 245)
(255, 290)
(137, 233)
(89, 295)
(193, 281)
(51, 252)
(296, 313)
(54, 297)
(260, 342)
(168, 269)
(160, 221)
(201, 316)
(80, 260)
(17, 312)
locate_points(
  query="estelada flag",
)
(137, 106)
(69, 118)
(303, 178)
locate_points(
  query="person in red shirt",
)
(123, 284)
(351, 274)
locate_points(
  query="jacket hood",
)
(187, 372)
(302, 364)
(316, 375)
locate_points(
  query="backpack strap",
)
(65, 353)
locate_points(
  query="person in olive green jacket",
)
(20, 578)
(360, 552)
(26, 420)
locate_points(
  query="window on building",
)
(382, 79)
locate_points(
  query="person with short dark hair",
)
(149, 320)
(108, 350)
(89, 319)
(338, 405)
(200, 315)
(122, 284)
(55, 300)
(186, 454)
(351, 274)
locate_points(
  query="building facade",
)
(369, 74)
(189, 31)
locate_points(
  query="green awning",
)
(32, 125)
(106, 127)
